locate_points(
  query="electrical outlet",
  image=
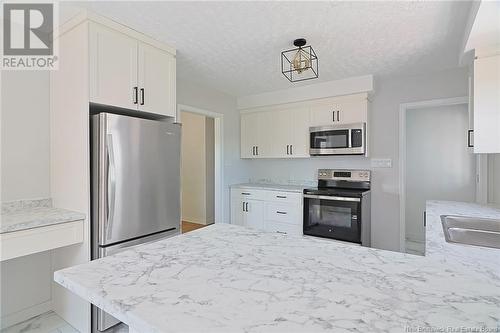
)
(381, 163)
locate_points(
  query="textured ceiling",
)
(235, 46)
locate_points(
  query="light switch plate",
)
(381, 163)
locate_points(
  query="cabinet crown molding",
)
(89, 16)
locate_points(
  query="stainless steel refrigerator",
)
(135, 176)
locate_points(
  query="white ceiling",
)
(235, 46)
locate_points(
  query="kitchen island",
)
(226, 278)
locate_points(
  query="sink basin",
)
(471, 230)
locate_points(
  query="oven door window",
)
(330, 139)
(333, 219)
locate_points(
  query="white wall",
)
(25, 152)
(390, 92)
(235, 169)
(193, 169)
(438, 163)
(25, 135)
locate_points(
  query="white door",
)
(487, 105)
(237, 210)
(353, 112)
(438, 165)
(264, 134)
(156, 81)
(113, 68)
(249, 127)
(254, 214)
(299, 132)
(280, 141)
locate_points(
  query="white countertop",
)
(226, 278)
(28, 214)
(274, 187)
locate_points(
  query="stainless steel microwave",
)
(346, 139)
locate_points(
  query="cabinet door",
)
(299, 133)
(237, 217)
(353, 112)
(265, 134)
(254, 211)
(487, 105)
(281, 130)
(113, 68)
(249, 125)
(324, 114)
(156, 81)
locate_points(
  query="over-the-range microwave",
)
(345, 139)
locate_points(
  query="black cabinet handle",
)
(291, 149)
(243, 206)
(425, 219)
(281, 196)
(333, 116)
(338, 115)
(469, 141)
(257, 150)
(142, 96)
(253, 150)
(136, 97)
(247, 206)
(245, 193)
(283, 213)
(287, 149)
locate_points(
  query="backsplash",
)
(13, 206)
(277, 181)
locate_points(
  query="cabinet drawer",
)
(249, 193)
(285, 197)
(284, 228)
(284, 213)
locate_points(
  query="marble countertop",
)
(276, 187)
(465, 256)
(22, 215)
(227, 278)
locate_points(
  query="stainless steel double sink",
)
(471, 230)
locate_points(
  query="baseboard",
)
(25, 314)
(195, 222)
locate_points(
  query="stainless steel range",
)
(340, 207)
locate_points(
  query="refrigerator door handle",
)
(110, 185)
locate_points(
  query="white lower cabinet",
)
(269, 210)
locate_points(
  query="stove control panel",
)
(349, 175)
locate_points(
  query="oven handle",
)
(327, 197)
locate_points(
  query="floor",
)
(48, 322)
(190, 226)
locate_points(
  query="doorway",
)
(437, 164)
(211, 197)
(197, 171)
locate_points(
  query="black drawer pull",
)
(278, 212)
(281, 232)
(245, 193)
(281, 196)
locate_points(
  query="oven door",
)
(333, 217)
(328, 141)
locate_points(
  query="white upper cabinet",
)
(330, 112)
(128, 73)
(113, 68)
(156, 81)
(487, 104)
(283, 131)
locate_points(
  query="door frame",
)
(219, 154)
(403, 108)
